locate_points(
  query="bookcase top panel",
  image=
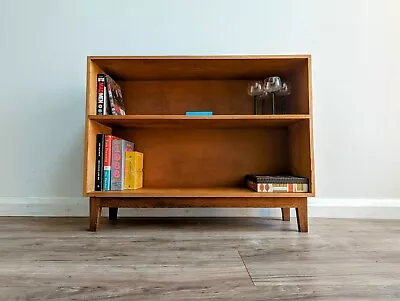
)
(198, 67)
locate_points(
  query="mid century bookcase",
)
(202, 161)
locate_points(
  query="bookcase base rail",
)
(300, 204)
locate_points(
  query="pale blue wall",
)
(43, 49)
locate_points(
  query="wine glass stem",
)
(262, 106)
(255, 105)
(273, 103)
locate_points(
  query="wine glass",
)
(255, 88)
(272, 84)
(284, 91)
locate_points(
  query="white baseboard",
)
(318, 207)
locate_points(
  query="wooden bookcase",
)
(202, 161)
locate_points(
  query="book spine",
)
(195, 113)
(274, 187)
(107, 162)
(98, 182)
(116, 161)
(107, 107)
(126, 147)
(129, 169)
(119, 147)
(110, 96)
(100, 94)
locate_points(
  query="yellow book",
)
(133, 170)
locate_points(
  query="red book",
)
(115, 97)
(107, 161)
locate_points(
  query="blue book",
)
(107, 180)
(197, 113)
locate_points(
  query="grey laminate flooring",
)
(199, 259)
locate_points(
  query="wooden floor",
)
(199, 259)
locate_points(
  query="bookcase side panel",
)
(311, 124)
(300, 151)
(93, 128)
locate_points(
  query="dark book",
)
(276, 179)
(101, 88)
(98, 181)
(119, 149)
(115, 98)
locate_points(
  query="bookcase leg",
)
(112, 214)
(95, 214)
(285, 214)
(302, 216)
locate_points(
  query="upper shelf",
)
(215, 121)
(199, 67)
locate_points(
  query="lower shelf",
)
(194, 193)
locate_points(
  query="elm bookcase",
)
(201, 161)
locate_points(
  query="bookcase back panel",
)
(208, 157)
(226, 97)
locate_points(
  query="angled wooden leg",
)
(95, 214)
(285, 214)
(112, 213)
(302, 216)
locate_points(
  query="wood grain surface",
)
(183, 121)
(150, 68)
(206, 192)
(200, 158)
(199, 259)
(210, 154)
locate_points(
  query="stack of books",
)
(276, 183)
(109, 96)
(118, 165)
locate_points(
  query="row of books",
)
(118, 165)
(109, 96)
(277, 183)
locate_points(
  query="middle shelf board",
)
(215, 121)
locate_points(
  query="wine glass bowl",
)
(272, 84)
(285, 90)
(255, 88)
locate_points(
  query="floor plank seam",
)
(247, 270)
